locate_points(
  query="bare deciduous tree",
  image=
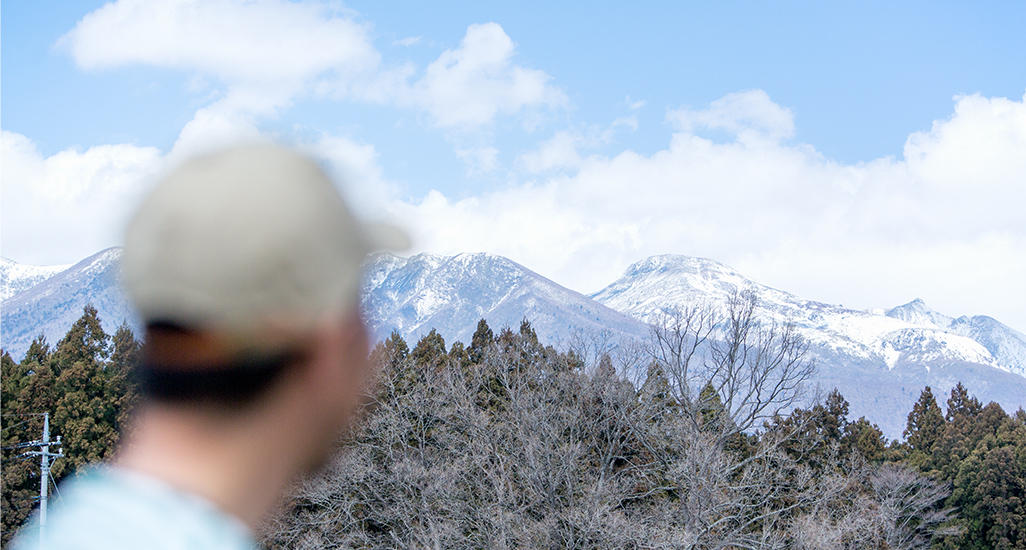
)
(755, 369)
(523, 450)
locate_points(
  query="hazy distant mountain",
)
(52, 306)
(879, 362)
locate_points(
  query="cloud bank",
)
(944, 222)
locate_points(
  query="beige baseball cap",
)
(246, 238)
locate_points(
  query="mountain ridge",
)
(879, 359)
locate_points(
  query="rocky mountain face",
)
(879, 360)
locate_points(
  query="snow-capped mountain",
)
(410, 295)
(1007, 346)
(15, 277)
(52, 306)
(878, 361)
(450, 294)
(917, 313)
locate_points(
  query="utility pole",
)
(44, 479)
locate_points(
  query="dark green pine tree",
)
(122, 387)
(865, 438)
(531, 349)
(961, 433)
(811, 435)
(38, 352)
(86, 341)
(396, 349)
(16, 503)
(480, 342)
(990, 485)
(833, 416)
(527, 331)
(86, 415)
(389, 356)
(923, 431)
(961, 405)
(430, 351)
(458, 356)
(656, 395)
(710, 409)
(11, 381)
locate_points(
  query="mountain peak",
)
(666, 263)
(918, 313)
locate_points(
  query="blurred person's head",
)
(245, 267)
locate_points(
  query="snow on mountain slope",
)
(414, 295)
(411, 295)
(879, 362)
(1006, 345)
(917, 313)
(651, 285)
(15, 277)
(51, 307)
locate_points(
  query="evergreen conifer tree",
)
(122, 388)
(430, 351)
(865, 438)
(923, 432)
(480, 342)
(85, 414)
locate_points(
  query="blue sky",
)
(863, 154)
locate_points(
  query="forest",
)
(509, 442)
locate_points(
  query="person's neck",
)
(242, 465)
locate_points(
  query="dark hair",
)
(234, 382)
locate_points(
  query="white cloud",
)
(265, 53)
(355, 168)
(216, 125)
(75, 202)
(78, 202)
(944, 224)
(558, 152)
(479, 160)
(565, 148)
(256, 42)
(624, 121)
(408, 41)
(469, 85)
(749, 115)
(972, 167)
(980, 145)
